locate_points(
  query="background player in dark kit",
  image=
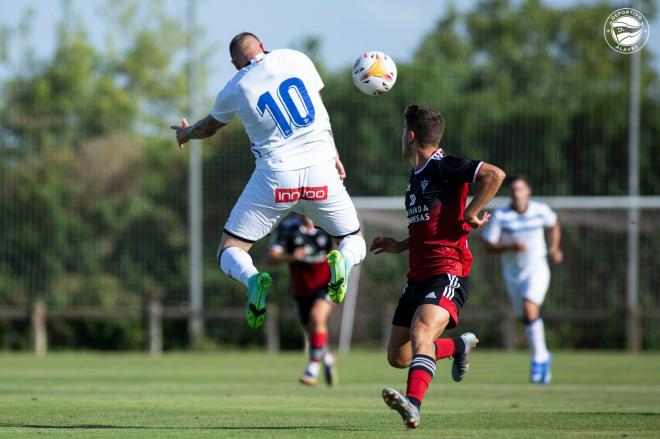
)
(305, 248)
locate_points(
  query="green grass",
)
(249, 394)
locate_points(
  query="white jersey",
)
(506, 226)
(277, 98)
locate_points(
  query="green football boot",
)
(339, 270)
(255, 311)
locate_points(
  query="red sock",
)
(444, 347)
(420, 374)
(317, 342)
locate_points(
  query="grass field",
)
(249, 394)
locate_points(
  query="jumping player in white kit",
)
(276, 96)
(517, 232)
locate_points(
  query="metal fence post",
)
(196, 322)
(633, 324)
(386, 325)
(155, 320)
(39, 330)
(272, 329)
(348, 311)
(508, 331)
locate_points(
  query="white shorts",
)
(532, 285)
(316, 192)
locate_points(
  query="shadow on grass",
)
(142, 427)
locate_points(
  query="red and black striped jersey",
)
(435, 203)
(313, 273)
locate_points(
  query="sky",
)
(346, 28)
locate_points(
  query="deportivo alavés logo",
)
(626, 30)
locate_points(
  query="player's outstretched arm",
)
(489, 180)
(385, 244)
(201, 129)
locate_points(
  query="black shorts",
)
(445, 290)
(304, 304)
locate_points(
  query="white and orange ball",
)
(374, 73)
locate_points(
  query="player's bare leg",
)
(317, 331)
(320, 355)
(399, 348)
(351, 251)
(531, 309)
(428, 323)
(540, 367)
(235, 261)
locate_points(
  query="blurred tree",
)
(85, 170)
(536, 90)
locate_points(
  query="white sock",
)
(237, 264)
(313, 368)
(353, 248)
(328, 358)
(535, 332)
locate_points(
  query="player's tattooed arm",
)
(202, 129)
(489, 180)
(385, 244)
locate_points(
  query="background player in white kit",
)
(517, 232)
(276, 96)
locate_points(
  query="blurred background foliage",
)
(93, 190)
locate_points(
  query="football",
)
(374, 73)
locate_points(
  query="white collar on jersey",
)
(257, 59)
(438, 155)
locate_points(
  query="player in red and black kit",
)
(305, 248)
(439, 258)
